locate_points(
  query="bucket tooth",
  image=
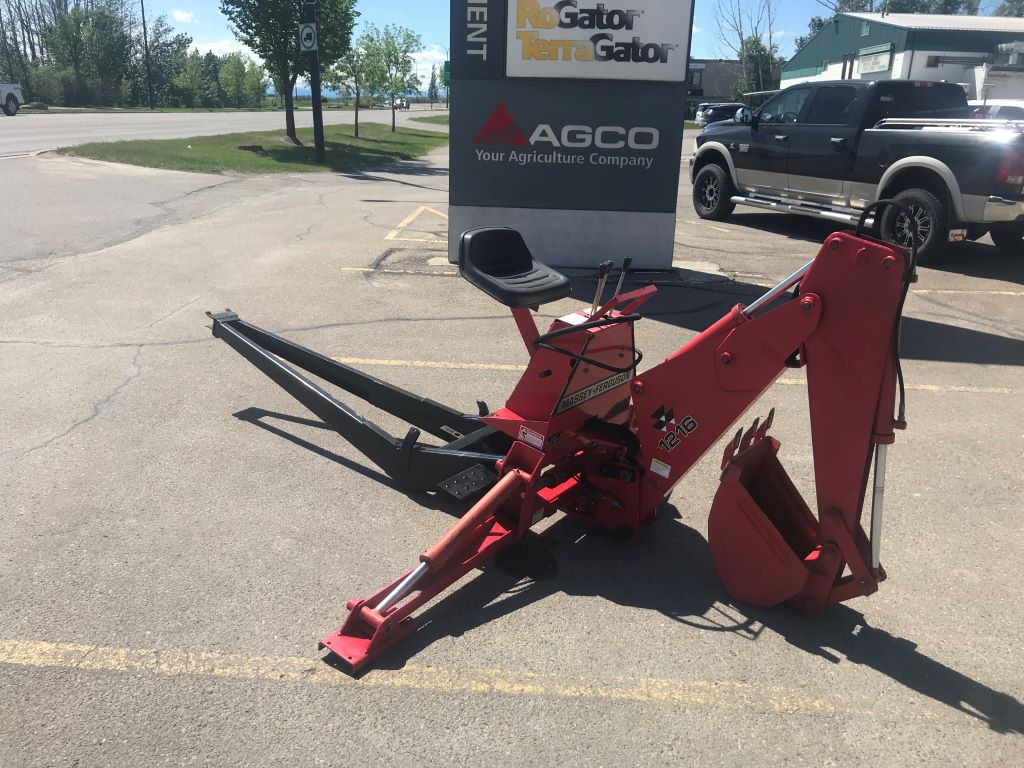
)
(730, 448)
(748, 436)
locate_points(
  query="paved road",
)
(33, 132)
(178, 533)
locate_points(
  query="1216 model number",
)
(672, 437)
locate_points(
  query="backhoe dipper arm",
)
(842, 323)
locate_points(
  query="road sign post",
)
(309, 45)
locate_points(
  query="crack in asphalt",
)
(97, 408)
(174, 311)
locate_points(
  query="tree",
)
(1014, 8)
(190, 80)
(168, 51)
(762, 62)
(65, 40)
(814, 26)
(746, 28)
(391, 68)
(255, 83)
(351, 73)
(270, 28)
(432, 92)
(232, 79)
(107, 52)
(213, 91)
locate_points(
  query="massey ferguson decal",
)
(589, 393)
(674, 430)
(584, 38)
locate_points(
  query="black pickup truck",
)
(830, 149)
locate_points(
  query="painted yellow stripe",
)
(429, 364)
(311, 671)
(966, 291)
(395, 234)
(936, 388)
(785, 382)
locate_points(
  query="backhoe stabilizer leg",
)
(377, 623)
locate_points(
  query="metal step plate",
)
(469, 482)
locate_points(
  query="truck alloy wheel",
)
(712, 193)
(927, 223)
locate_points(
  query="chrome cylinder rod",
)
(779, 289)
(403, 587)
(876, 504)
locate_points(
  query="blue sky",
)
(203, 21)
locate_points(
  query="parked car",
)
(830, 149)
(998, 109)
(11, 98)
(716, 113)
(400, 102)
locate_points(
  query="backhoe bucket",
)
(760, 530)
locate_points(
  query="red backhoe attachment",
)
(584, 434)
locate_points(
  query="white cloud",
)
(780, 33)
(696, 29)
(183, 17)
(423, 60)
(225, 46)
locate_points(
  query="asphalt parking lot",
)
(178, 533)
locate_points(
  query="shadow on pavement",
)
(260, 418)
(668, 569)
(635, 571)
(973, 259)
(694, 301)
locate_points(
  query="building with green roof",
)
(985, 54)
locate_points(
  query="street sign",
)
(307, 37)
(447, 74)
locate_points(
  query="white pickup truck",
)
(11, 98)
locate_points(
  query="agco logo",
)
(567, 15)
(501, 129)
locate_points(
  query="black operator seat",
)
(497, 261)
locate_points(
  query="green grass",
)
(376, 146)
(435, 119)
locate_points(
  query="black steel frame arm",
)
(414, 466)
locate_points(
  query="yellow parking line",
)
(429, 364)
(395, 234)
(965, 291)
(786, 382)
(311, 671)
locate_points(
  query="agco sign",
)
(583, 38)
(608, 140)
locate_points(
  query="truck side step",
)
(801, 209)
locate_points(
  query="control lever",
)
(622, 275)
(602, 278)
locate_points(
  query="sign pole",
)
(309, 44)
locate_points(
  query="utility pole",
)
(308, 42)
(145, 47)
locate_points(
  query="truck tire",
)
(11, 105)
(711, 192)
(1009, 238)
(930, 223)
